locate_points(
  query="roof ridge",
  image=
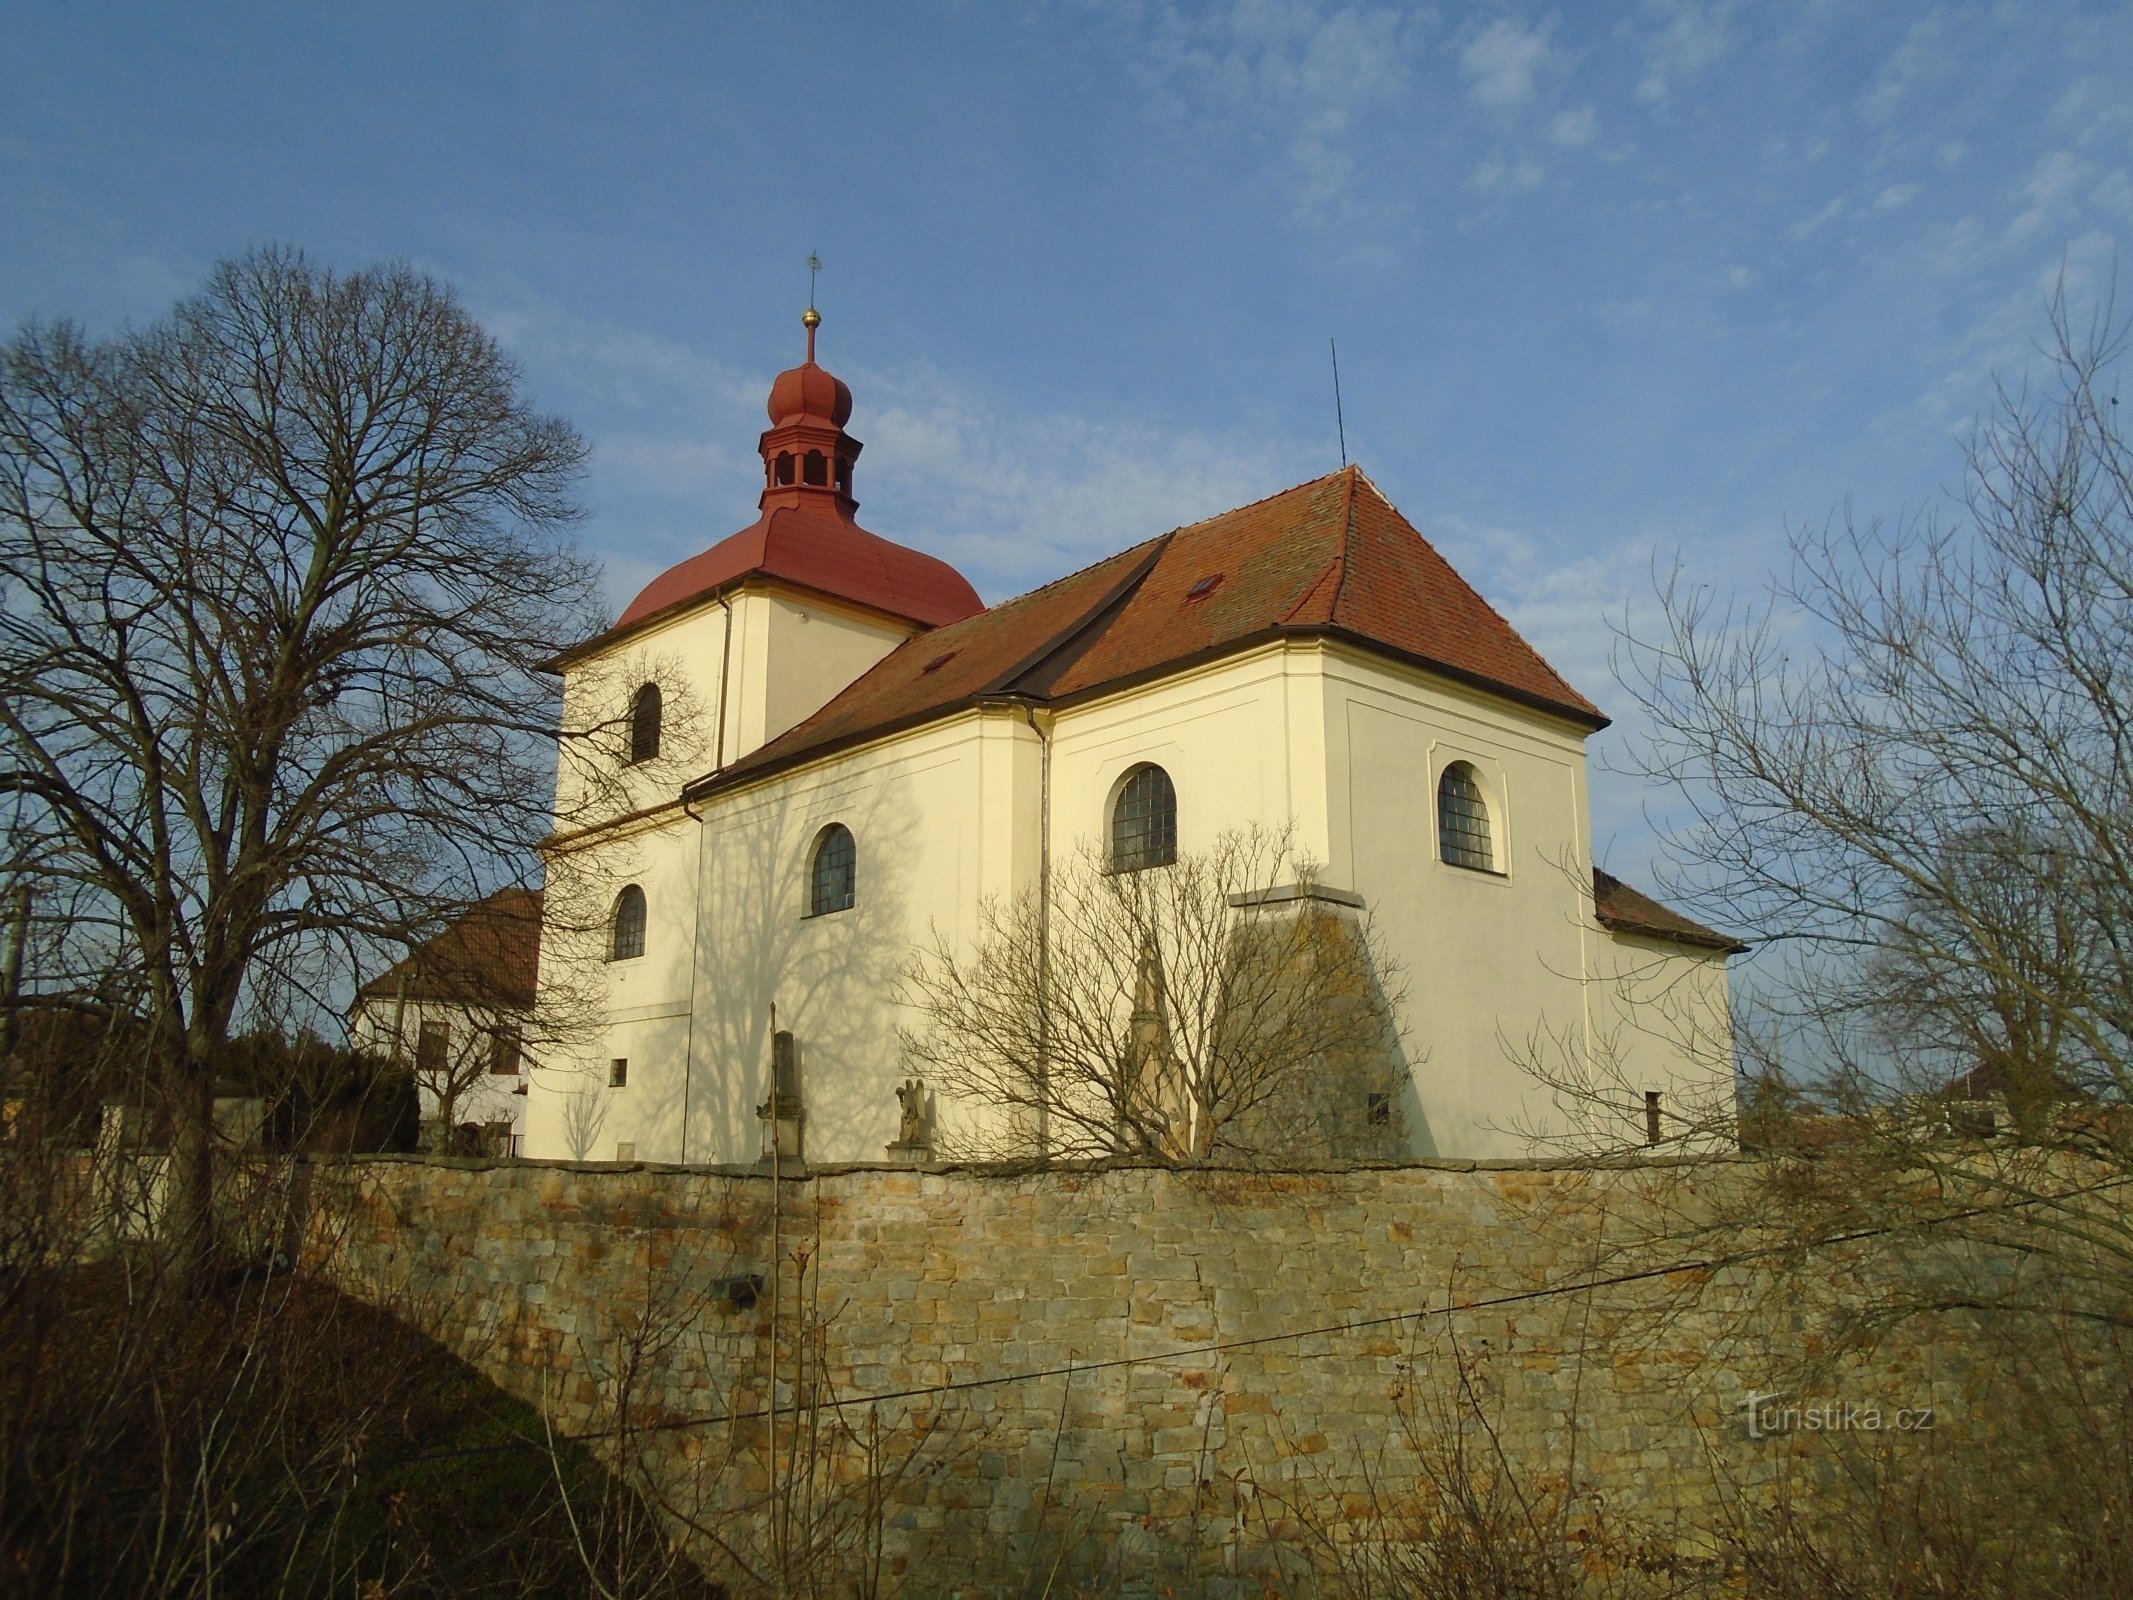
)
(1046, 588)
(1337, 565)
(1351, 472)
(1249, 505)
(1460, 578)
(1104, 609)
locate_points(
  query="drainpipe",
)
(696, 937)
(725, 661)
(696, 963)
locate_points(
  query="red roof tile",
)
(1329, 557)
(489, 956)
(830, 554)
(1622, 909)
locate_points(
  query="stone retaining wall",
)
(1143, 1376)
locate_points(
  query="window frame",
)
(431, 1030)
(825, 837)
(1484, 801)
(641, 748)
(615, 952)
(1158, 846)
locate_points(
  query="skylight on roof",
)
(1205, 587)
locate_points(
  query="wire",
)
(1222, 1346)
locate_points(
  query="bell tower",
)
(807, 455)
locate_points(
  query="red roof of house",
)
(820, 550)
(1330, 558)
(489, 956)
(1622, 909)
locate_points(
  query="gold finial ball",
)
(812, 318)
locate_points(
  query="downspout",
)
(1044, 934)
(725, 661)
(696, 964)
(696, 937)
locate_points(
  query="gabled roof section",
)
(489, 956)
(1622, 909)
(1329, 558)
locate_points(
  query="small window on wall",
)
(1463, 820)
(1144, 821)
(1654, 1118)
(628, 941)
(833, 877)
(644, 723)
(618, 1073)
(433, 1045)
(504, 1053)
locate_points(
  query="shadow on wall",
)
(830, 977)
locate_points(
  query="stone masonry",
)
(1142, 1376)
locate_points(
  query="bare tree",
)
(1225, 1004)
(280, 573)
(1911, 768)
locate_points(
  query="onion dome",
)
(807, 392)
(808, 533)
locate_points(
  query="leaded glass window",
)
(628, 942)
(1144, 821)
(1463, 820)
(833, 883)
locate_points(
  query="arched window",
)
(1463, 820)
(1144, 821)
(814, 468)
(833, 876)
(644, 723)
(628, 941)
(782, 468)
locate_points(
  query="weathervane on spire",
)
(812, 318)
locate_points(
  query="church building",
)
(826, 751)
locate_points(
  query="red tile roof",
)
(1329, 558)
(816, 550)
(1622, 909)
(489, 956)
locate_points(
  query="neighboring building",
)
(872, 752)
(456, 1012)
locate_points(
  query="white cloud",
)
(1501, 62)
(1574, 128)
(1921, 56)
(1016, 500)
(1693, 37)
(2048, 192)
(1506, 175)
(1302, 75)
(1808, 225)
(1896, 196)
(1738, 277)
(2114, 193)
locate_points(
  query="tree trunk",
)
(190, 1225)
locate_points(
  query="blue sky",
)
(1610, 282)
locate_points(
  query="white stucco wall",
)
(485, 1098)
(1341, 747)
